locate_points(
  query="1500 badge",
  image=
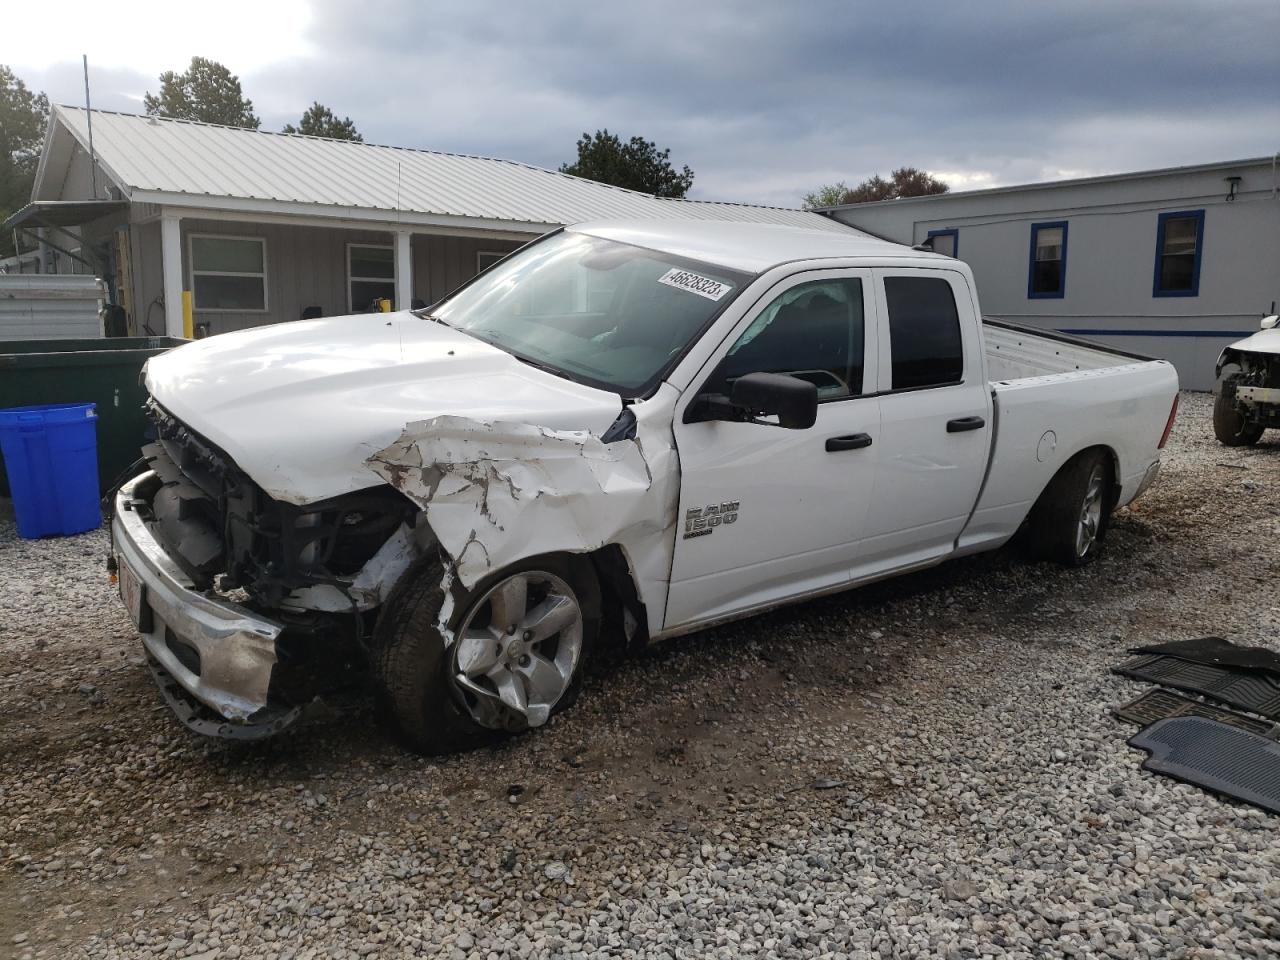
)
(701, 521)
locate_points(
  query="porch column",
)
(171, 266)
(404, 270)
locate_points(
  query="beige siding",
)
(306, 266)
(442, 264)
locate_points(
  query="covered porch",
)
(248, 271)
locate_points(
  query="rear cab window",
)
(925, 344)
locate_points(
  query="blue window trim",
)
(1031, 263)
(1198, 217)
(953, 233)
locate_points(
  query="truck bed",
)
(1054, 396)
(1016, 352)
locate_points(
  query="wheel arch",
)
(1113, 461)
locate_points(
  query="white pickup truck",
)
(625, 430)
(1247, 389)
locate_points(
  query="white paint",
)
(506, 460)
(493, 491)
(1266, 340)
(404, 269)
(300, 406)
(171, 266)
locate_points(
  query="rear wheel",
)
(1230, 425)
(516, 648)
(1069, 521)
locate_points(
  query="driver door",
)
(768, 513)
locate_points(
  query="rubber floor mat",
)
(1217, 652)
(1250, 690)
(1161, 704)
(1212, 755)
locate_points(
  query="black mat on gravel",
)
(1161, 704)
(1212, 755)
(1247, 689)
(1216, 652)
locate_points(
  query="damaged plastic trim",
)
(370, 586)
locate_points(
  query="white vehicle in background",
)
(1247, 391)
(628, 429)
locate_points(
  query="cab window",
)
(924, 332)
(813, 331)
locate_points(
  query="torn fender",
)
(496, 492)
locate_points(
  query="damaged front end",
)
(1250, 380)
(249, 606)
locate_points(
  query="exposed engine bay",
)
(227, 533)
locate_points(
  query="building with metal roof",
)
(260, 227)
(1174, 263)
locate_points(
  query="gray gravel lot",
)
(925, 767)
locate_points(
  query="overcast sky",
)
(764, 100)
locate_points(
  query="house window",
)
(945, 242)
(371, 275)
(1179, 237)
(486, 259)
(228, 273)
(1047, 276)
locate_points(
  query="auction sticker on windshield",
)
(693, 283)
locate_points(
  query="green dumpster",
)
(101, 371)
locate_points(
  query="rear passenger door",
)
(935, 419)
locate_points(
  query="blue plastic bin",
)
(51, 457)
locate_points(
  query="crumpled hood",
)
(301, 406)
(1264, 341)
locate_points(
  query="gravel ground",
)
(925, 767)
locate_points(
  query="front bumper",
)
(219, 653)
(1258, 396)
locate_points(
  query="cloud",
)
(766, 101)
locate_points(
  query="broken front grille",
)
(217, 522)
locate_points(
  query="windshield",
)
(600, 312)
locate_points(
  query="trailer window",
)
(1178, 240)
(1048, 269)
(924, 332)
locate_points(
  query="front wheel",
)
(1230, 425)
(511, 657)
(1069, 522)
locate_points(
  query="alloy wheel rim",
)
(516, 651)
(1090, 512)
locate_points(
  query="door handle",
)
(961, 424)
(854, 441)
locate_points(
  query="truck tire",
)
(1230, 426)
(1069, 522)
(490, 682)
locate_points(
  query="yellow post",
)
(188, 327)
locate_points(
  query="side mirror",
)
(1269, 322)
(792, 400)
